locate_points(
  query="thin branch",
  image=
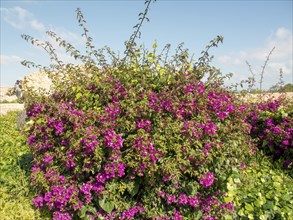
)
(142, 18)
(263, 69)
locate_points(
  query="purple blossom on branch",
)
(207, 180)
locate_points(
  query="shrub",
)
(131, 143)
(140, 138)
(272, 125)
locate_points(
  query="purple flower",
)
(170, 199)
(130, 213)
(285, 142)
(230, 207)
(112, 110)
(112, 139)
(207, 179)
(209, 218)
(193, 202)
(38, 201)
(91, 146)
(59, 196)
(182, 199)
(121, 169)
(31, 139)
(70, 164)
(189, 88)
(58, 127)
(101, 178)
(287, 164)
(91, 87)
(86, 190)
(57, 215)
(48, 159)
(177, 215)
(145, 124)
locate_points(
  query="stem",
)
(263, 69)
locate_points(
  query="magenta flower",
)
(38, 201)
(61, 216)
(170, 199)
(193, 202)
(177, 215)
(207, 180)
(182, 199)
(48, 159)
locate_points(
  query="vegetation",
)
(145, 136)
(8, 102)
(15, 164)
(286, 88)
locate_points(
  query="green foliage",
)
(7, 102)
(261, 191)
(286, 88)
(15, 164)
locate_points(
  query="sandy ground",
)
(4, 108)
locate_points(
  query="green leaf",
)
(237, 180)
(82, 212)
(133, 188)
(106, 205)
(249, 207)
(78, 95)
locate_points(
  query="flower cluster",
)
(207, 179)
(111, 170)
(272, 127)
(199, 202)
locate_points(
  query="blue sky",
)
(250, 30)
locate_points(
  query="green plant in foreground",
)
(15, 164)
(261, 191)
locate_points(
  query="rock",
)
(37, 80)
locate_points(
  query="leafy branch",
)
(47, 46)
(142, 17)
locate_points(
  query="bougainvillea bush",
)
(141, 148)
(141, 138)
(272, 127)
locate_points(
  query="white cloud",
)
(9, 59)
(281, 57)
(21, 19)
(15, 16)
(35, 24)
(230, 60)
(283, 33)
